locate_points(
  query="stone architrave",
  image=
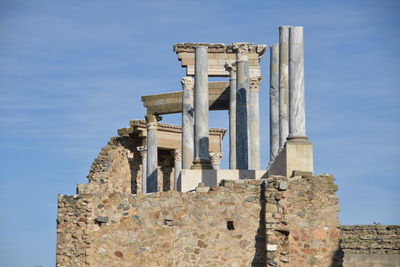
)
(177, 168)
(143, 154)
(254, 123)
(297, 122)
(232, 115)
(216, 160)
(242, 91)
(152, 157)
(201, 135)
(274, 102)
(187, 122)
(283, 84)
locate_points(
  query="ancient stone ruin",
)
(157, 195)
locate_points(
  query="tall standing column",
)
(297, 122)
(242, 89)
(177, 168)
(187, 122)
(152, 158)
(232, 115)
(254, 123)
(216, 160)
(201, 135)
(143, 154)
(274, 102)
(283, 84)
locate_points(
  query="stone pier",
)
(187, 122)
(177, 168)
(143, 154)
(201, 138)
(283, 84)
(152, 157)
(242, 87)
(232, 115)
(297, 122)
(274, 102)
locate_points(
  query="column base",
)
(201, 164)
(293, 138)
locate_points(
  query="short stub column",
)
(152, 157)
(187, 122)
(201, 135)
(177, 168)
(143, 153)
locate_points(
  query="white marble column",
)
(242, 89)
(216, 160)
(143, 154)
(297, 122)
(177, 168)
(274, 102)
(152, 157)
(283, 84)
(201, 135)
(187, 122)
(232, 115)
(254, 123)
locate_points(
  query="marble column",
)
(201, 135)
(177, 168)
(242, 89)
(297, 122)
(274, 102)
(216, 160)
(152, 157)
(187, 122)
(143, 154)
(254, 123)
(283, 84)
(232, 115)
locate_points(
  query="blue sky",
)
(72, 73)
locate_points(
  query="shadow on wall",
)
(260, 238)
(337, 260)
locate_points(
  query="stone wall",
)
(370, 245)
(269, 222)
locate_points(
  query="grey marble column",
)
(143, 154)
(216, 160)
(152, 157)
(283, 84)
(253, 119)
(274, 102)
(201, 135)
(297, 122)
(177, 168)
(187, 122)
(242, 89)
(232, 115)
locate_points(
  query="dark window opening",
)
(230, 226)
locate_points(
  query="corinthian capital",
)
(142, 150)
(177, 155)
(216, 157)
(187, 83)
(255, 83)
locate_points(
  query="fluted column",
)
(143, 154)
(254, 123)
(216, 160)
(232, 115)
(297, 122)
(187, 122)
(177, 168)
(283, 84)
(274, 102)
(242, 89)
(201, 135)
(152, 158)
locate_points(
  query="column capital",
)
(187, 83)
(231, 68)
(151, 122)
(255, 82)
(177, 154)
(142, 150)
(216, 157)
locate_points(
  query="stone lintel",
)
(169, 103)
